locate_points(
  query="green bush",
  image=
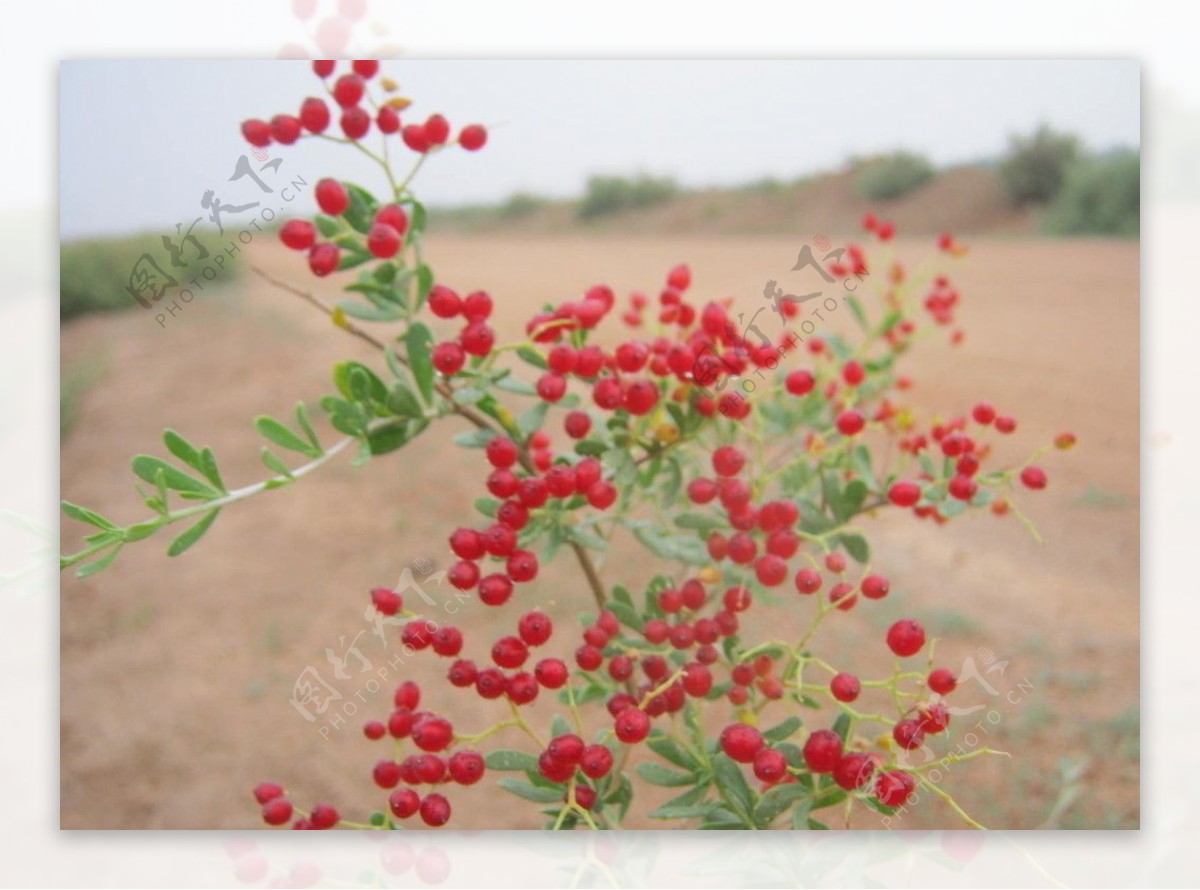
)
(1035, 167)
(520, 204)
(1101, 196)
(94, 274)
(614, 194)
(892, 176)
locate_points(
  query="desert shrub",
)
(519, 205)
(1101, 196)
(893, 176)
(1035, 167)
(615, 194)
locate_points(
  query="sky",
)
(141, 141)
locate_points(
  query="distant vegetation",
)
(613, 194)
(1035, 168)
(1099, 196)
(888, 177)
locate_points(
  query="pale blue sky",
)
(141, 141)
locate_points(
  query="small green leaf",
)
(842, 726)
(193, 534)
(424, 284)
(776, 801)
(362, 312)
(656, 774)
(506, 760)
(147, 468)
(305, 424)
(418, 342)
(784, 730)
(857, 547)
(357, 382)
(394, 435)
(328, 226)
(361, 212)
(100, 564)
(513, 384)
(531, 421)
(683, 548)
(728, 777)
(208, 464)
(274, 463)
(531, 792)
(856, 310)
(403, 401)
(474, 438)
(276, 432)
(670, 750)
(83, 514)
(700, 522)
(182, 449)
(532, 356)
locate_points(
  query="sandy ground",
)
(176, 673)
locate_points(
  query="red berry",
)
(632, 725)
(463, 575)
(589, 657)
(983, 413)
(466, 767)
(435, 810)
(324, 817)
(447, 641)
(408, 695)
(875, 587)
(285, 129)
(522, 688)
(509, 652)
(551, 673)
(850, 423)
(462, 673)
(854, 771)
(443, 302)
(522, 565)
(501, 452)
(845, 687)
(728, 460)
(400, 723)
(386, 774)
(800, 383)
(324, 67)
(472, 137)
(432, 734)
(602, 495)
(656, 631)
(477, 306)
(494, 590)
(355, 123)
(906, 637)
(555, 770)
(1034, 478)
(770, 765)
(577, 424)
(478, 338)
(314, 115)
(332, 197)
(641, 397)
(771, 570)
(808, 581)
(267, 791)
(448, 358)
(437, 129)
(904, 494)
(1005, 424)
(403, 802)
(277, 811)
(365, 68)
(894, 788)
(697, 680)
(741, 742)
(393, 215)
(742, 548)
(257, 132)
(348, 90)
(853, 373)
(415, 138)
(566, 749)
(374, 730)
(324, 258)
(836, 563)
(535, 628)
(298, 234)
(551, 387)
(942, 681)
(962, 487)
(491, 683)
(386, 601)
(467, 543)
(388, 120)
(822, 751)
(909, 734)
(596, 761)
(736, 599)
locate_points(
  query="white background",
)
(35, 36)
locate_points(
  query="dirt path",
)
(176, 673)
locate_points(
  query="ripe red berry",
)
(522, 565)
(501, 452)
(298, 234)
(324, 67)
(942, 681)
(641, 397)
(447, 641)
(906, 637)
(443, 302)
(535, 628)
(324, 258)
(437, 129)
(577, 424)
(853, 373)
(314, 115)
(332, 197)
(850, 423)
(491, 683)
(323, 817)
(386, 774)
(1034, 478)
(386, 601)
(257, 132)
(596, 761)
(632, 725)
(432, 734)
(509, 652)
(854, 771)
(466, 767)
(551, 673)
(407, 695)
(904, 494)
(697, 680)
(277, 811)
(728, 460)
(415, 138)
(800, 383)
(403, 802)
(551, 387)
(522, 688)
(822, 751)
(388, 120)
(875, 587)
(894, 788)
(435, 810)
(1005, 424)
(909, 734)
(467, 543)
(462, 673)
(374, 730)
(983, 413)
(962, 487)
(770, 765)
(771, 570)
(448, 358)
(602, 495)
(808, 581)
(741, 742)
(285, 129)
(400, 723)
(473, 137)
(365, 68)
(355, 123)
(845, 687)
(464, 575)
(494, 590)
(348, 90)
(267, 791)
(589, 657)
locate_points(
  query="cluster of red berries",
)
(278, 810)
(355, 121)
(567, 756)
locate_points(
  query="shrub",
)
(1101, 196)
(1035, 167)
(519, 205)
(893, 176)
(614, 194)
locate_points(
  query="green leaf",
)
(533, 356)
(683, 548)
(656, 774)
(591, 447)
(784, 730)
(193, 534)
(274, 463)
(776, 801)
(531, 421)
(276, 432)
(688, 805)
(700, 522)
(358, 383)
(487, 506)
(363, 206)
(856, 310)
(83, 514)
(531, 792)
(626, 614)
(418, 218)
(305, 424)
(146, 468)
(403, 401)
(418, 342)
(510, 383)
(100, 564)
(208, 466)
(507, 760)
(621, 797)
(670, 750)
(424, 284)
(841, 726)
(395, 435)
(874, 804)
(327, 226)
(729, 779)
(182, 449)
(856, 546)
(474, 438)
(358, 310)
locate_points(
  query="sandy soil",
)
(176, 673)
